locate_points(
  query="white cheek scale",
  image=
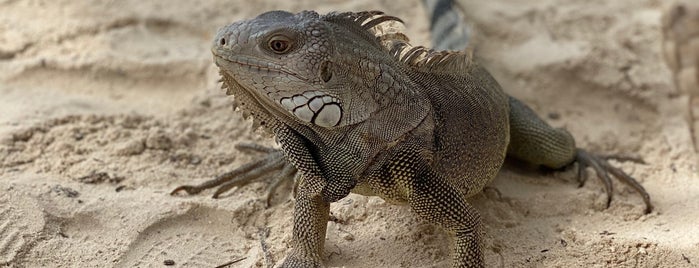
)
(314, 107)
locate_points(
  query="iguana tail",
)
(447, 25)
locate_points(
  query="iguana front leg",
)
(311, 213)
(435, 200)
(312, 208)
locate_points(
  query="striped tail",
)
(447, 25)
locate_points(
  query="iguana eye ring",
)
(279, 44)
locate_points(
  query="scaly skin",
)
(356, 108)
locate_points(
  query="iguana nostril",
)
(222, 41)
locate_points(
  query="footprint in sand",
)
(171, 240)
(21, 222)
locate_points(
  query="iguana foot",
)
(274, 161)
(603, 169)
(293, 261)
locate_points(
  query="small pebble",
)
(133, 147)
(158, 142)
(348, 237)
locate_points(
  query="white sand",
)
(106, 106)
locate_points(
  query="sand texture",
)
(106, 106)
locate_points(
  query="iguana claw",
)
(245, 174)
(603, 168)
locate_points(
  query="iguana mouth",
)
(257, 65)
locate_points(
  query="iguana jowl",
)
(356, 108)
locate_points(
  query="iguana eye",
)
(279, 44)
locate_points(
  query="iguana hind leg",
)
(274, 161)
(603, 169)
(532, 140)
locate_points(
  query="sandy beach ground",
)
(106, 106)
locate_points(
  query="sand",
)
(106, 106)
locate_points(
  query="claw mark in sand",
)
(210, 231)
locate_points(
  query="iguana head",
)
(320, 71)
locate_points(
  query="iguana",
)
(356, 108)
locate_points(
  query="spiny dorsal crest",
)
(388, 30)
